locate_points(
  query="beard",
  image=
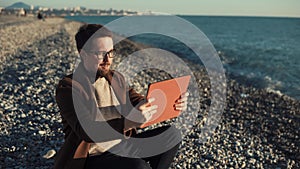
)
(102, 70)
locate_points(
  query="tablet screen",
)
(166, 93)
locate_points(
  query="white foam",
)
(270, 90)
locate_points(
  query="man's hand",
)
(148, 110)
(143, 114)
(181, 102)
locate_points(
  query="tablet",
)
(166, 93)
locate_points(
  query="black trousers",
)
(163, 160)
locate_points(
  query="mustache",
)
(105, 64)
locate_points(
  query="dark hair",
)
(86, 31)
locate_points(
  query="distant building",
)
(76, 8)
(22, 9)
(43, 9)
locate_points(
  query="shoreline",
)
(258, 128)
(264, 70)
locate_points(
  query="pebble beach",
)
(258, 128)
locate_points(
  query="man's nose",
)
(105, 58)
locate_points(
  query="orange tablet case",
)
(166, 93)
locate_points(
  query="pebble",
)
(23, 115)
(250, 153)
(49, 154)
(42, 132)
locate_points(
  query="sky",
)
(289, 8)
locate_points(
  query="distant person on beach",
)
(40, 16)
(98, 96)
(25, 12)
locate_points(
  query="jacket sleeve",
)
(135, 98)
(98, 131)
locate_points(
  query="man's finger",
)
(180, 108)
(149, 108)
(153, 111)
(147, 104)
(182, 100)
(153, 107)
(186, 94)
(150, 100)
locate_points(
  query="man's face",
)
(96, 57)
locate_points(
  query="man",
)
(95, 104)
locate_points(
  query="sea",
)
(263, 52)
